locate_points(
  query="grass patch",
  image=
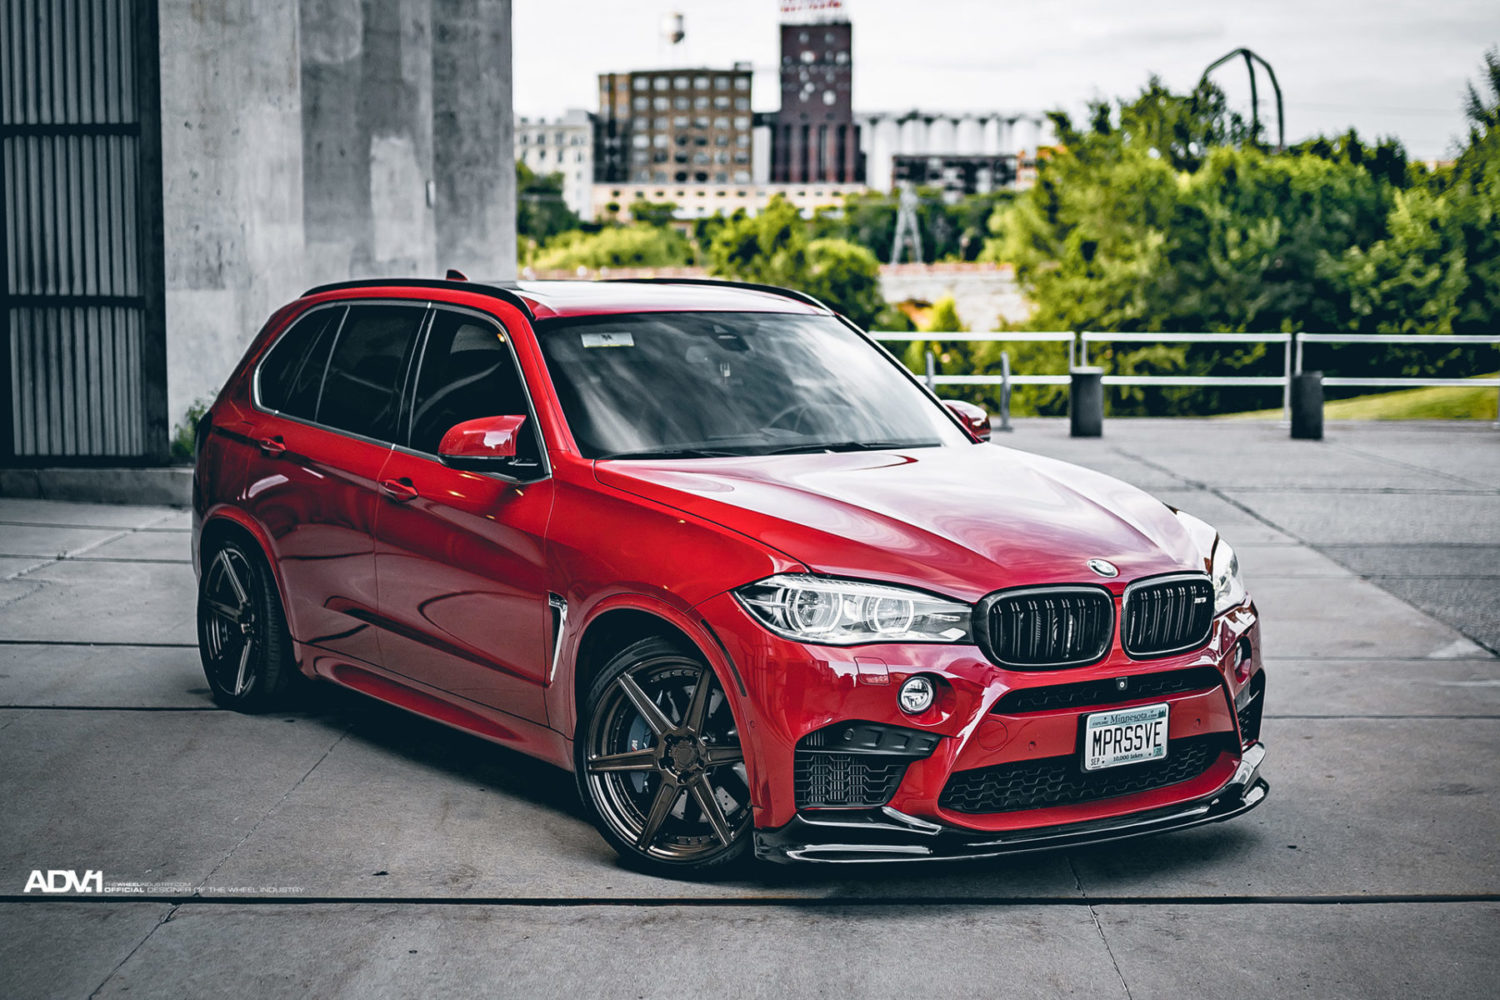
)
(1428, 403)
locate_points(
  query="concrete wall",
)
(231, 182)
(367, 137)
(473, 134)
(300, 139)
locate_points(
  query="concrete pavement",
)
(348, 849)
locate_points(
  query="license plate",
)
(1124, 736)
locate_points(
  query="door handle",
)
(399, 490)
(272, 446)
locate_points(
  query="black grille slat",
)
(1089, 694)
(1166, 617)
(1060, 628)
(846, 779)
(855, 764)
(1056, 781)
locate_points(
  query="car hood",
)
(960, 520)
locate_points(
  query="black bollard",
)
(1307, 406)
(1086, 403)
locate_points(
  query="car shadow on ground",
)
(472, 760)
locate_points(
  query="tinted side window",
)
(467, 372)
(292, 373)
(362, 390)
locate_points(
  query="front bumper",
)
(890, 835)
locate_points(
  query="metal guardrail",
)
(994, 337)
(1078, 347)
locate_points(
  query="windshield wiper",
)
(670, 453)
(843, 446)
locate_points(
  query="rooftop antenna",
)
(673, 31)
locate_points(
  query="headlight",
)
(1229, 589)
(846, 612)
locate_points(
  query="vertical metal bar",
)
(150, 250)
(931, 373)
(1286, 379)
(1083, 350)
(1297, 369)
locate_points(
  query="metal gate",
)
(84, 358)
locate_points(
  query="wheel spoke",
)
(703, 794)
(696, 715)
(241, 680)
(240, 593)
(666, 798)
(659, 723)
(718, 756)
(630, 760)
(223, 610)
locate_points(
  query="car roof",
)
(556, 299)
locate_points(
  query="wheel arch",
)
(230, 522)
(614, 628)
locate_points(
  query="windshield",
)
(692, 385)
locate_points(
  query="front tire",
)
(659, 762)
(242, 634)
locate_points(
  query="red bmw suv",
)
(716, 552)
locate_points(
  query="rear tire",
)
(242, 635)
(659, 763)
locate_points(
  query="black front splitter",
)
(887, 835)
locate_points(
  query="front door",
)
(459, 555)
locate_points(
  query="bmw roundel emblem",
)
(1104, 567)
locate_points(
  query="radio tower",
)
(908, 232)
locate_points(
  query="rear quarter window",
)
(292, 374)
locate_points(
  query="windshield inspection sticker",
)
(608, 340)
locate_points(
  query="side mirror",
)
(974, 418)
(487, 444)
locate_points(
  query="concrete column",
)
(1307, 406)
(231, 182)
(473, 135)
(1086, 403)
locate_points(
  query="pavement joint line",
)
(770, 899)
(1369, 490)
(99, 642)
(271, 811)
(164, 918)
(1099, 928)
(1411, 545)
(154, 708)
(1422, 469)
(1218, 492)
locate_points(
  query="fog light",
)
(916, 695)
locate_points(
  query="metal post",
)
(1086, 403)
(1286, 385)
(1307, 407)
(931, 373)
(1005, 391)
(1083, 351)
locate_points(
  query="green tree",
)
(653, 213)
(621, 246)
(541, 212)
(1166, 213)
(773, 248)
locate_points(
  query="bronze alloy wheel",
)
(242, 637)
(661, 764)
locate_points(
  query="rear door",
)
(460, 555)
(328, 402)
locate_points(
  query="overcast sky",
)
(1388, 67)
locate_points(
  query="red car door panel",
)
(463, 589)
(460, 555)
